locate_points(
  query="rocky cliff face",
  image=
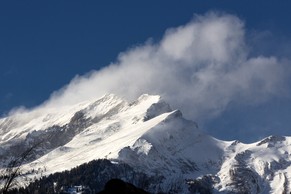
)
(150, 137)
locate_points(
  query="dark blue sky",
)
(44, 44)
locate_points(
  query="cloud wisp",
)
(200, 68)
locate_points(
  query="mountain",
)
(151, 138)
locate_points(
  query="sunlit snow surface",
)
(154, 139)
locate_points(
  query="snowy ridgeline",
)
(152, 139)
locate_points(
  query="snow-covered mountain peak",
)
(150, 137)
(271, 140)
(22, 123)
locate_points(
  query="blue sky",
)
(44, 45)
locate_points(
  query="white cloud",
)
(199, 68)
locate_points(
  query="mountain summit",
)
(151, 138)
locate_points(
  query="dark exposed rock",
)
(271, 140)
(157, 109)
(203, 185)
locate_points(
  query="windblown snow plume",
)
(199, 68)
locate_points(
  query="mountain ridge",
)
(149, 136)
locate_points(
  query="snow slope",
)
(151, 137)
